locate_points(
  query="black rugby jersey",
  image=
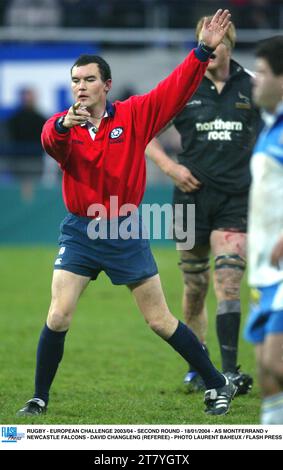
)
(218, 132)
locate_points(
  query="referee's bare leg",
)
(152, 304)
(67, 288)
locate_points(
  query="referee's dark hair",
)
(104, 68)
(272, 51)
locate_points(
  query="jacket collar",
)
(110, 109)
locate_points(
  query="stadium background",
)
(116, 369)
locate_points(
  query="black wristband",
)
(59, 125)
(206, 48)
(203, 52)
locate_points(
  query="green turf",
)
(115, 370)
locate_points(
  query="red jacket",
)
(114, 163)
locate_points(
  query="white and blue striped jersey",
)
(266, 202)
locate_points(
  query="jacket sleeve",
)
(155, 109)
(57, 145)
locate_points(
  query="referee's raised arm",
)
(156, 108)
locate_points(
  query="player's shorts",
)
(213, 210)
(266, 313)
(125, 261)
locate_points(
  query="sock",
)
(191, 368)
(49, 353)
(185, 342)
(272, 409)
(228, 327)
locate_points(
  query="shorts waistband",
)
(83, 218)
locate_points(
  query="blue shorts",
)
(125, 261)
(266, 313)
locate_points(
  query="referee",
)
(100, 149)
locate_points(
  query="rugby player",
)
(265, 231)
(218, 127)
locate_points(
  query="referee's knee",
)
(163, 325)
(59, 319)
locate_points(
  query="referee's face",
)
(88, 86)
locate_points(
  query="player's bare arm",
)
(181, 176)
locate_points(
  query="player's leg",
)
(152, 304)
(229, 249)
(195, 268)
(194, 264)
(270, 369)
(66, 290)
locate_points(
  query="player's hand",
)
(277, 254)
(184, 179)
(214, 30)
(76, 115)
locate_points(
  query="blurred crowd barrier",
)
(135, 13)
(34, 218)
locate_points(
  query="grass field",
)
(115, 370)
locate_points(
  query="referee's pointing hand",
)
(76, 115)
